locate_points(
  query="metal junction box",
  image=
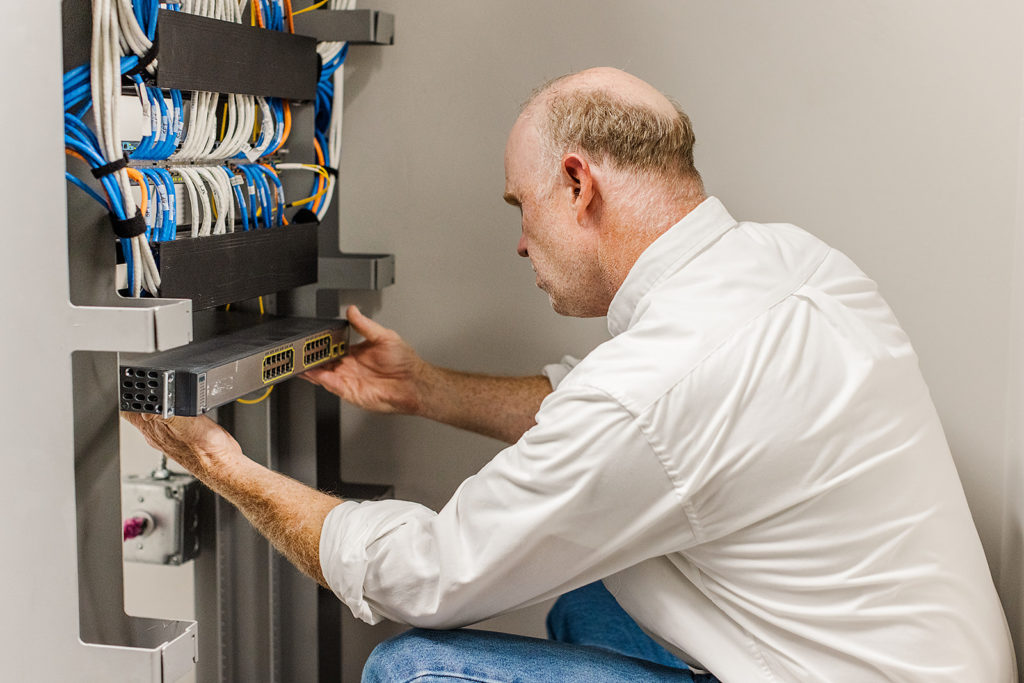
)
(170, 508)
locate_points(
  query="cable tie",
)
(112, 167)
(331, 171)
(145, 60)
(129, 227)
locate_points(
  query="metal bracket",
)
(356, 271)
(138, 325)
(355, 26)
(161, 651)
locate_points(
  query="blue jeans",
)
(592, 640)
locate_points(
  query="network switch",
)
(194, 379)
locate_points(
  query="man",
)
(752, 464)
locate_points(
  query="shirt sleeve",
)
(579, 497)
(556, 372)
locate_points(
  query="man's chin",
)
(569, 310)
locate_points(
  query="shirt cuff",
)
(348, 530)
(556, 372)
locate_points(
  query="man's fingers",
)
(320, 373)
(315, 376)
(365, 326)
(138, 419)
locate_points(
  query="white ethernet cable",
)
(209, 190)
(105, 86)
(223, 199)
(224, 184)
(193, 198)
(133, 39)
(266, 128)
(201, 225)
(200, 134)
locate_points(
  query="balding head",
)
(600, 164)
(615, 117)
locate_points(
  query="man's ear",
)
(579, 175)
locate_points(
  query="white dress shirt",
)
(752, 463)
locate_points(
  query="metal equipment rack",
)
(64, 605)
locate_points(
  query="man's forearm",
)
(499, 407)
(288, 513)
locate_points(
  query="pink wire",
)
(133, 526)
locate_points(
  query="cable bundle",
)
(105, 81)
(213, 146)
(328, 113)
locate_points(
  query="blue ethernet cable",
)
(154, 207)
(177, 104)
(88, 190)
(270, 176)
(263, 193)
(168, 199)
(257, 205)
(152, 203)
(111, 186)
(171, 223)
(239, 198)
(81, 140)
(277, 108)
(274, 181)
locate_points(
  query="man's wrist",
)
(426, 379)
(222, 470)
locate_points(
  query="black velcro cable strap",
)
(129, 227)
(145, 60)
(112, 167)
(331, 171)
(305, 216)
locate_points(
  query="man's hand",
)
(287, 512)
(381, 374)
(198, 444)
(385, 375)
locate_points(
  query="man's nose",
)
(521, 247)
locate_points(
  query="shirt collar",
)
(668, 254)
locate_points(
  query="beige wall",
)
(889, 129)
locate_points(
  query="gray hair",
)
(607, 127)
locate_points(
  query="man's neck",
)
(629, 236)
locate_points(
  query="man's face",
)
(562, 253)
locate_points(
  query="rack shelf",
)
(221, 269)
(356, 26)
(198, 53)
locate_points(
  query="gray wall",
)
(889, 129)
